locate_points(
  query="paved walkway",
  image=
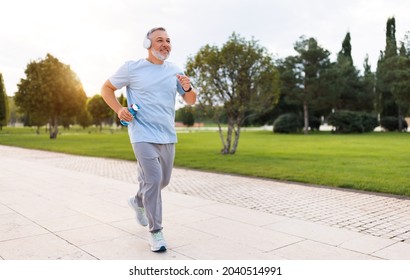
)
(56, 206)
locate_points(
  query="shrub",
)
(287, 123)
(392, 123)
(369, 122)
(352, 122)
(185, 115)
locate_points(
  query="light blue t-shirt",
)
(153, 87)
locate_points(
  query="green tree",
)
(51, 91)
(391, 43)
(4, 104)
(99, 110)
(311, 70)
(187, 115)
(345, 55)
(240, 77)
(385, 101)
(397, 75)
(393, 77)
(347, 82)
(291, 86)
(84, 118)
(367, 95)
(15, 116)
(350, 90)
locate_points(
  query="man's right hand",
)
(124, 114)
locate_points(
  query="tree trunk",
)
(305, 117)
(227, 147)
(53, 128)
(236, 141)
(222, 137)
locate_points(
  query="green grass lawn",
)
(372, 162)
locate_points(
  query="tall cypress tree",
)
(391, 45)
(348, 84)
(387, 106)
(346, 52)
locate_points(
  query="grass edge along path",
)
(376, 162)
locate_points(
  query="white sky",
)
(95, 37)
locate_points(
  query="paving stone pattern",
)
(374, 214)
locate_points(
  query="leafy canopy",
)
(240, 79)
(50, 92)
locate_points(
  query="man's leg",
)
(166, 158)
(150, 181)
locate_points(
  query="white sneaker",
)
(157, 242)
(141, 217)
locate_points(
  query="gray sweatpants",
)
(155, 162)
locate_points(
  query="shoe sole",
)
(162, 249)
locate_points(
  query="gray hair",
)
(153, 30)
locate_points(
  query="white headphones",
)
(146, 43)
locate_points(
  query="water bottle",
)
(133, 109)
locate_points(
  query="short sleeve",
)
(121, 78)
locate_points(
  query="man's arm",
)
(190, 97)
(107, 93)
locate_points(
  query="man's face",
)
(160, 44)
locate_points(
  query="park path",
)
(303, 222)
